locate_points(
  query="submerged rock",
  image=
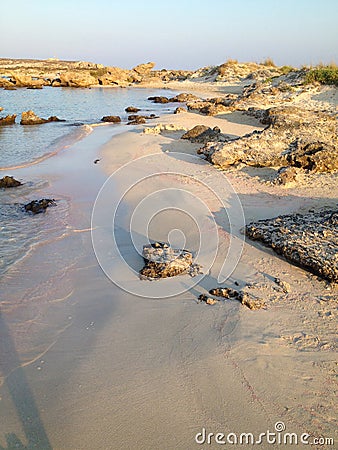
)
(162, 261)
(309, 241)
(8, 120)
(39, 206)
(113, 119)
(9, 182)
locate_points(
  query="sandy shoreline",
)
(112, 370)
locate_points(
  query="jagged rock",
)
(143, 69)
(55, 119)
(202, 134)
(132, 109)
(280, 143)
(8, 120)
(23, 80)
(244, 297)
(207, 107)
(114, 76)
(162, 261)
(77, 79)
(286, 175)
(179, 110)
(314, 156)
(309, 241)
(184, 97)
(159, 99)
(114, 119)
(9, 182)
(39, 206)
(30, 118)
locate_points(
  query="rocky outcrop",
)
(113, 119)
(180, 110)
(114, 76)
(77, 79)
(9, 182)
(143, 69)
(309, 241)
(293, 136)
(162, 261)
(39, 206)
(8, 120)
(22, 80)
(30, 118)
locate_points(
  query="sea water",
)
(27, 152)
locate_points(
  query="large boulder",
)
(77, 79)
(30, 118)
(9, 182)
(114, 76)
(8, 120)
(23, 80)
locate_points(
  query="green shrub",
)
(323, 74)
(286, 69)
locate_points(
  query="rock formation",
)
(39, 206)
(8, 120)
(114, 119)
(162, 261)
(9, 182)
(30, 118)
(309, 241)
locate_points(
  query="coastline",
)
(107, 355)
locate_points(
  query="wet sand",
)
(86, 365)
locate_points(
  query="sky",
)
(175, 34)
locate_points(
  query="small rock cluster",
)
(39, 206)
(245, 298)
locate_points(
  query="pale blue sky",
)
(173, 33)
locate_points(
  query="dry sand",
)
(109, 370)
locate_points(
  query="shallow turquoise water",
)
(22, 144)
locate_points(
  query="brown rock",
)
(286, 175)
(114, 119)
(184, 97)
(39, 206)
(9, 182)
(143, 69)
(159, 99)
(202, 134)
(30, 118)
(77, 79)
(180, 110)
(132, 109)
(8, 120)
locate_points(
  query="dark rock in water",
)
(30, 118)
(132, 109)
(309, 241)
(202, 134)
(9, 182)
(39, 206)
(55, 119)
(8, 120)
(162, 261)
(34, 87)
(114, 119)
(159, 99)
(244, 297)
